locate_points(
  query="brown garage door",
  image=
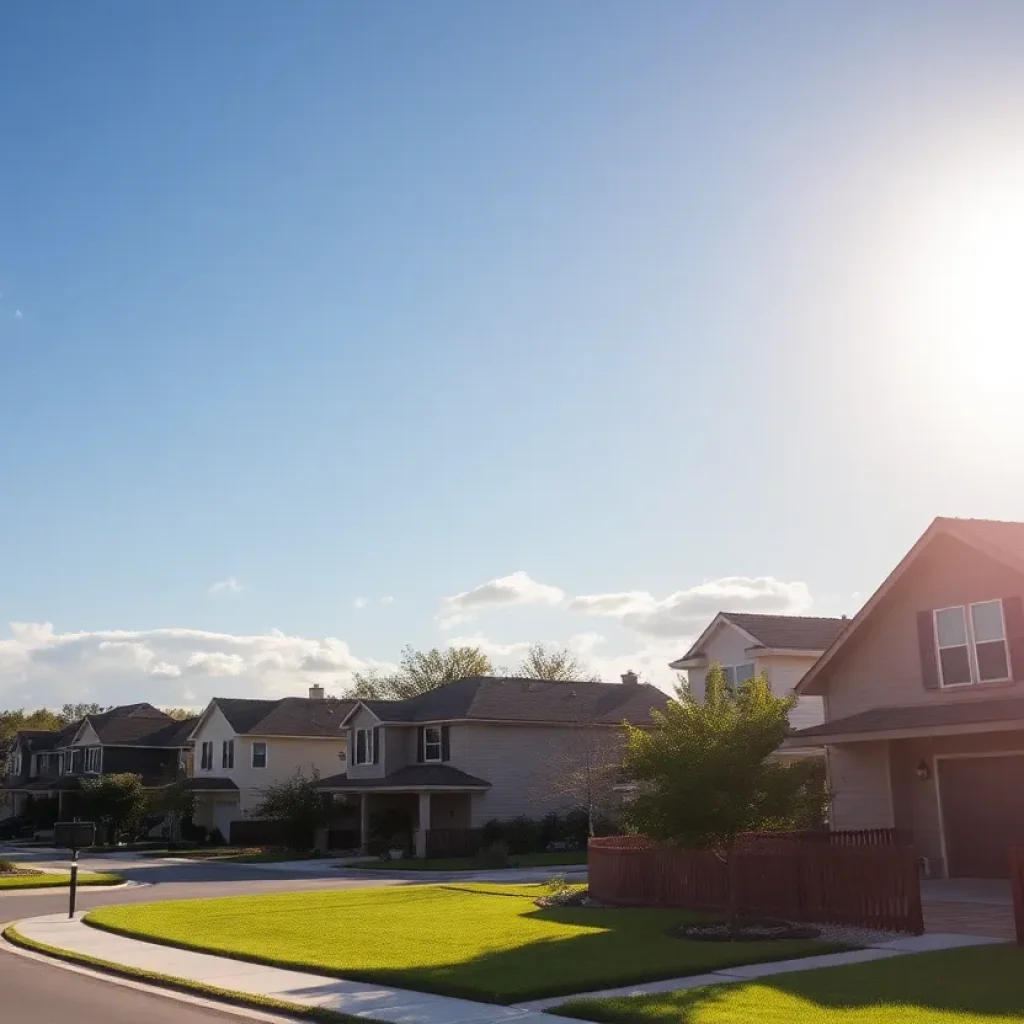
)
(982, 813)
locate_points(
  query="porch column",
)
(424, 825)
(364, 822)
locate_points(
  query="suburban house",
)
(924, 701)
(784, 647)
(135, 738)
(240, 746)
(480, 748)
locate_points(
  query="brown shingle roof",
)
(290, 716)
(412, 776)
(920, 716)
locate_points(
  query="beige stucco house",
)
(783, 647)
(924, 701)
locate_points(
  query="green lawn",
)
(55, 881)
(525, 860)
(480, 942)
(981, 985)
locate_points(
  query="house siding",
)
(365, 719)
(858, 775)
(149, 763)
(881, 665)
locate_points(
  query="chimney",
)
(630, 678)
(316, 692)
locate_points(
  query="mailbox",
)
(74, 835)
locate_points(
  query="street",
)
(49, 993)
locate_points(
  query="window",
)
(206, 756)
(259, 754)
(227, 754)
(16, 762)
(971, 643)
(432, 745)
(736, 674)
(93, 756)
(77, 760)
(364, 747)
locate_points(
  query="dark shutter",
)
(376, 746)
(926, 646)
(1013, 615)
(419, 745)
(446, 747)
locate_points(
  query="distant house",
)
(924, 701)
(479, 748)
(784, 647)
(240, 746)
(135, 738)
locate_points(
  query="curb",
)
(171, 984)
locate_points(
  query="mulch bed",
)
(744, 930)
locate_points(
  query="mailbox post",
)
(74, 836)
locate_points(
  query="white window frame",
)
(972, 648)
(367, 747)
(428, 743)
(206, 762)
(93, 760)
(227, 747)
(266, 755)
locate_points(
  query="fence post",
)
(1017, 878)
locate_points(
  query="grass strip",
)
(242, 999)
(50, 881)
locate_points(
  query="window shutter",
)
(446, 746)
(376, 746)
(1013, 614)
(419, 744)
(926, 646)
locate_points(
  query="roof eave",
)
(915, 732)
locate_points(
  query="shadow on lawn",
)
(982, 981)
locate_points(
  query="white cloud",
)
(682, 614)
(173, 666)
(228, 586)
(18, 315)
(387, 600)
(504, 592)
(490, 647)
(361, 602)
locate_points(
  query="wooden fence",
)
(786, 876)
(1017, 880)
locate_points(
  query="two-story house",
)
(240, 746)
(783, 647)
(924, 701)
(479, 748)
(135, 738)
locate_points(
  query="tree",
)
(706, 773)
(117, 802)
(178, 714)
(297, 806)
(556, 663)
(421, 671)
(13, 722)
(176, 801)
(70, 713)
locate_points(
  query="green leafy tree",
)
(298, 808)
(118, 802)
(705, 771)
(543, 661)
(76, 712)
(13, 722)
(176, 802)
(420, 671)
(179, 714)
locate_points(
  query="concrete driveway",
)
(972, 906)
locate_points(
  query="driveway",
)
(972, 906)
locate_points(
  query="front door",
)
(982, 800)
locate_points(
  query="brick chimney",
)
(316, 692)
(630, 678)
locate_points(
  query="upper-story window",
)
(365, 747)
(737, 674)
(206, 756)
(971, 642)
(93, 757)
(259, 754)
(433, 750)
(227, 754)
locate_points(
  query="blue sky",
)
(362, 301)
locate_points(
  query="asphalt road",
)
(31, 990)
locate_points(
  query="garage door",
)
(982, 813)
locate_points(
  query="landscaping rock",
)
(745, 930)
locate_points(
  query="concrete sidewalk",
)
(400, 1006)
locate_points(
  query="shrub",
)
(522, 835)
(297, 806)
(216, 838)
(492, 832)
(7, 867)
(494, 855)
(116, 802)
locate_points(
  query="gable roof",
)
(289, 716)
(781, 632)
(505, 699)
(1000, 540)
(139, 725)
